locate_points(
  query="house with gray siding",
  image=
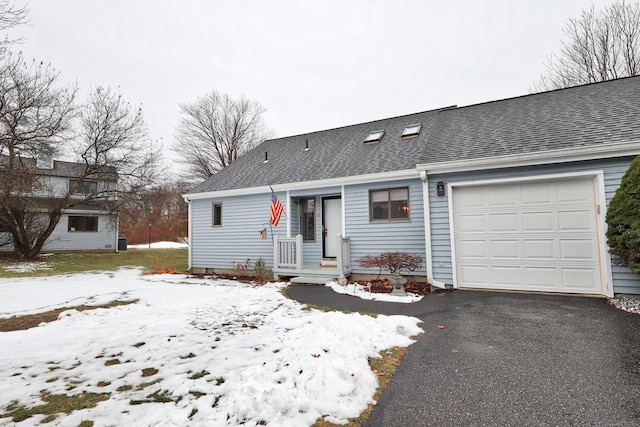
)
(506, 195)
(84, 226)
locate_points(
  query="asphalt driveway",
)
(508, 359)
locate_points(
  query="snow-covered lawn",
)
(226, 353)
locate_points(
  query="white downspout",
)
(427, 231)
(189, 235)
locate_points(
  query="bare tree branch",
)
(215, 130)
(596, 46)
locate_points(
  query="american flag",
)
(276, 209)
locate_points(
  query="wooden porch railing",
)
(287, 252)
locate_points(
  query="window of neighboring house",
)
(216, 214)
(389, 205)
(86, 188)
(83, 223)
(308, 219)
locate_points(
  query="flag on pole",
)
(276, 209)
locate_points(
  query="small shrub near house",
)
(623, 220)
(394, 262)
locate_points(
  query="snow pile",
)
(27, 267)
(364, 292)
(226, 353)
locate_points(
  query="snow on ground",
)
(362, 291)
(239, 355)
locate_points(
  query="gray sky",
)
(313, 65)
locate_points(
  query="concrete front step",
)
(312, 280)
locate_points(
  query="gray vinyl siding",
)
(369, 238)
(624, 281)
(63, 240)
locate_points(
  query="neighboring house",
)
(85, 226)
(510, 194)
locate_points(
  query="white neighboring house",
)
(86, 226)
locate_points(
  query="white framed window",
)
(85, 188)
(389, 205)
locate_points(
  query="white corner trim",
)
(563, 155)
(306, 185)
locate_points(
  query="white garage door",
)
(534, 236)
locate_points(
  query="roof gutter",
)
(573, 154)
(305, 185)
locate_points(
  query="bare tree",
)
(597, 46)
(36, 122)
(216, 129)
(35, 118)
(10, 16)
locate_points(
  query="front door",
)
(331, 226)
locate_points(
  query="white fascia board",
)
(304, 185)
(564, 155)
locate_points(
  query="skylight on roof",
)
(411, 130)
(374, 137)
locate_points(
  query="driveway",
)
(508, 359)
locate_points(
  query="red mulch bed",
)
(384, 286)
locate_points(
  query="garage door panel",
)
(575, 191)
(540, 249)
(540, 277)
(507, 276)
(503, 222)
(540, 236)
(478, 275)
(504, 249)
(574, 249)
(538, 221)
(580, 279)
(471, 223)
(576, 220)
(503, 196)
(473, 249)
(536, 194)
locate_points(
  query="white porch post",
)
(299, 260)
(288, 212)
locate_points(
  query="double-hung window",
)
(389, 205)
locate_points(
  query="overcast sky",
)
(313, 65)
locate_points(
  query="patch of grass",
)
(148, 372)
(52, 380)
(188, 356)
(112, 362)
(55, 404)
(384, 367)
(199, 375)
(193, 412)
(197, 394)
(140, 344)
(103, 383)
(86, 423)
(160, 396)
(145, 385)
(164, 260)
(124, 388)
(21, 323)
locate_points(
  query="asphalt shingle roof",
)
(598, 113)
